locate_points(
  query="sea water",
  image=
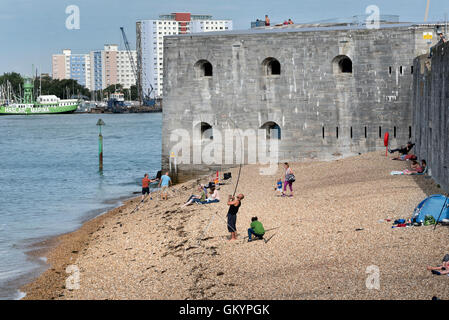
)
(50, 183)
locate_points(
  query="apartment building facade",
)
(150, 43)
(97, 69)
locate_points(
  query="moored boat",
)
(44, 104)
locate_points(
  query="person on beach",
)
(164, 184)
(146, 186)
(406, 157)
(278, 187)
(441, 270)
(234, 206)
(256, 229)
(416, 168)
(403, 150)
(214, 196)
(289, 178)
(211, 182)
(196, 198)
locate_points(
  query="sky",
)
(33, 30)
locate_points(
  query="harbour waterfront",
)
(50, 182)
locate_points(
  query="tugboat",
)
(44, 104)
(116, 103)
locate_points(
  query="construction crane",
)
(426, 16)
(145, 99)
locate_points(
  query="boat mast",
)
(40, 82)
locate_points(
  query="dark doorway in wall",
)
(273, 130)
(203, 68)
(342, 64)
(206, 131)
(271, 66)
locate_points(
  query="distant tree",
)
(64, 89)
(15, 79)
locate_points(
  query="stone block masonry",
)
(332, 91)
(431, 112)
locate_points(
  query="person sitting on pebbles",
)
(196, 198)
(256, 229)
(443, 269)
(213, 197)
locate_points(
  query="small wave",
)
(19, 295)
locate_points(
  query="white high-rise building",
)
(150, 43)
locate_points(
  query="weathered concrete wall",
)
(306, 98)
(431, 112)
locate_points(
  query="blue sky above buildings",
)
(32, 30)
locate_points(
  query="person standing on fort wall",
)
(267, 20)
(442, 38)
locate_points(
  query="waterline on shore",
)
(57, 156)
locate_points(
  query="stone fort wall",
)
(431, 112)
(230, 80)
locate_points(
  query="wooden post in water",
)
(100, 144)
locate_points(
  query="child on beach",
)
(278, 187)
(256, 229)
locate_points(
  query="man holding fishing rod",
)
(234, 205)
(146, 186)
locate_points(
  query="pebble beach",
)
(322, 243)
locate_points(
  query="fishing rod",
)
(235, 189)
(441, 212)
(141, 202)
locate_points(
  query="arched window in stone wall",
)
(273, 130)
(205, 131)
(271, 67)
(203, 68)
(342, 64)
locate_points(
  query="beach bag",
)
(290, 177)
(429, 220)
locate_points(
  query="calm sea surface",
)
(50, 183)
